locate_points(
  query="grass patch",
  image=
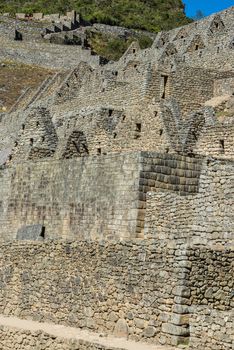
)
(16, 77)
(113, 48)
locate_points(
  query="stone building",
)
(125, 174)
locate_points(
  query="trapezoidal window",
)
(221, 145)
(165, 86)
(137, 133)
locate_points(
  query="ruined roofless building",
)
(116, 196)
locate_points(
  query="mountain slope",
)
(151, 15)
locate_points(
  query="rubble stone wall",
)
(203, 218)
(92, 285)
(147, 291)
(13, 338)
(211, 329)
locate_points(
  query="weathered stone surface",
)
(175, 330)
(121, 329)
(31, 233)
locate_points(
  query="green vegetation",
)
(113, 48)
(150, 15)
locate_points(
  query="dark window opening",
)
(124, 117)
(99, 151)
(221, 143)
(218, 49)
(43, 138)
(10, 157)
(138, 127)
(31, 142)
(110, 112)
(194, 135)
(114, 135)
(23, 127)
(196, 47)
(160, 132)
(217, 25)
(137, 131)
(42, 232)
(133, 50)
(165, 82)
(135, 65)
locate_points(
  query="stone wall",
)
(52, 56)
(204, 218)
(211, 329)
(92, 285)
(91, 197)
(13, 338)
(151, 291)
(217, 140)
(212, 300)
(210, 279)
(87, 197)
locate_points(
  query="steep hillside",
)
(151, 15)
(15, 78)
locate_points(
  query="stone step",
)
(26, 334)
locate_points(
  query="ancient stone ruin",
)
(116, 197)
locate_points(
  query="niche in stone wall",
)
(137, 133)
(170, 50)
(162, 41)
(231, 45)
(216, 25)
(76, 145)
(182, 34)
(221, 146)
(165, 91)
(196, 44)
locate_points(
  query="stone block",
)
(121, 329)
(31, 233)
(150, 331)
(175, 330)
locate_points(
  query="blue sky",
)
(206, 6)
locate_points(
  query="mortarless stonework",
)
(128, 169)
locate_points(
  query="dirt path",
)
(75, 333)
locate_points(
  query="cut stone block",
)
(31, 233)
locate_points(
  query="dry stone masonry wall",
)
(116, 186)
